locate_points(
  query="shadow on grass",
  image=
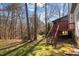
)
(15, 49)
(11, 46)
(30, 50)
(71, 54)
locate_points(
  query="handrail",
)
(56, 31)
(50, 30)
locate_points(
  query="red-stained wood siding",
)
(63, 25)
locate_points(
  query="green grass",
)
(6, 51)
(20, 50)
(44, 49)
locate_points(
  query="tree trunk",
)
(28, 26)
(46, 20)
(6, 33)
(35, 22)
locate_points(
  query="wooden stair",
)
(53, 34)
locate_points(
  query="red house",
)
(60, 29)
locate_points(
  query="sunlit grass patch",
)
(66, 50)
(44, 49)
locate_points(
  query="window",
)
(64, 32)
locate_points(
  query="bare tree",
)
(46, 19)
(28, 26)
(20, 26)
(6, 23)
(35, 22)
(59, 11)
(63, 9)
(13, 10)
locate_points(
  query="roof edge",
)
(60, 18)
(73, 7)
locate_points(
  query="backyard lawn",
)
(35, 48)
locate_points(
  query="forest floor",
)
(6, 43)
(36, 48)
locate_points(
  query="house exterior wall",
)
(71, 22)
(75, 19)
(63, 25)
